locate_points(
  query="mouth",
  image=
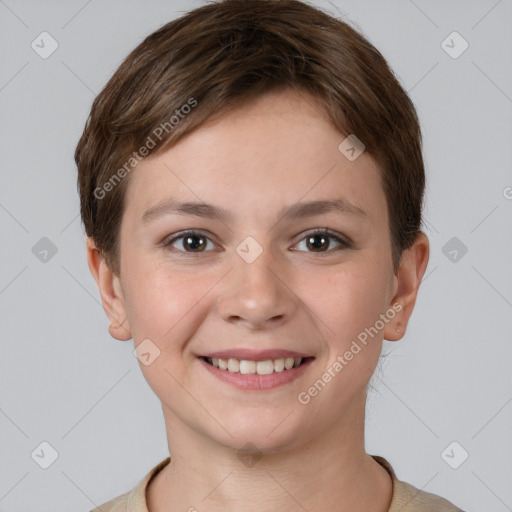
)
(257, 370)
(256, 367)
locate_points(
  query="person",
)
(251, 182)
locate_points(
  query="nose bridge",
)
(254, 291)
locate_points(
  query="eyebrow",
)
(297, 211)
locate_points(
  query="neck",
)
(330, 472)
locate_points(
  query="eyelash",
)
(344, 244)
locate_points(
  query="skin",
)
(256, 161)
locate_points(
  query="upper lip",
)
(255, 355)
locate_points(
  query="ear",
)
(111, 292)
(407, 282)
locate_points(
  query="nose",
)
(256, 294)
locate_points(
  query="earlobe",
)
(408, 279)
(111, 292)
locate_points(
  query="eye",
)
(189, 241)
(320, 241)
(194, 242)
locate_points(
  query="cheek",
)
(166, 305)
(348, 302)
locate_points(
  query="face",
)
(260, 269)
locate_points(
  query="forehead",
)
(274, 151)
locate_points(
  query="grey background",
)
(66, 382)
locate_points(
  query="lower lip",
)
(254, 381)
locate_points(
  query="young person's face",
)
(259, 280)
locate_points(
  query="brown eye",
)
(317, 242)
(190, 242)
(321, 241)
(195, 242)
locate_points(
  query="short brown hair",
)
(222, 54)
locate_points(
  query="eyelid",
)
(345, 242)
(169, 240)
(326, 231)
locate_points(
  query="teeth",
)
(233, 365)
(246, 367)
(265, 367)
(279, 365)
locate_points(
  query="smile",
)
(247, 367)
(256, 371)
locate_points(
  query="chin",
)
(262, 436)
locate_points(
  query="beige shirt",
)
(405, 498)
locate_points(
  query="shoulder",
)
(410, 499)
(135, 500)
(407, 498)
(119, 504)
